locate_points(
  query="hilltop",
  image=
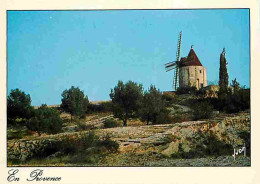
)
(182, 142)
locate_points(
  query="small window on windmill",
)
(200, 71)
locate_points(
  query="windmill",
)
(175, 64)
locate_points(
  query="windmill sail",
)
(176, 76)
(174, 65)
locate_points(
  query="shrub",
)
(233, 103)
(180, 117)
(202, 110)
(169, 98)
(153, 107)
(204, 144)
(87, 148)
(110, 123)
(234, 99)
(102, 107)
(17, 133)
(109, 144)
(81, 126)
(86, 143)
(45, 120)
(186, 90)
(245, 135)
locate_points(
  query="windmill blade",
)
(175, 64)
(172, 62)
(170, 68)
(176, 76)
(167, 68)
(170, 65)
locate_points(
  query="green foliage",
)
(87, 148)
(86, 141)
(223, 75)
(18, 105)
(45, 120)
(186, 90)
(126, 99)
(237, 102)
(245, 135)
(179, 117)
(108, 144)
(204, 144)
(102, 107)
(110, 123)
(17, 132)
(153, 107)
(233, 102)
(202, 110)
(74, 102)
(81, 126)
(235, 86)
(169, 99)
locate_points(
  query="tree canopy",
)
(223, 76)
(126, 99)
(45, 120)
(74, 102)
(153, 106)
(19, 105)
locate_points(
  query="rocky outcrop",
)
(181, 135)
(225, 130)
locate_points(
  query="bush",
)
(86, 143)
(204, 144)
(153, 107)
(45, 120)
(102, 107)
(233, 103)
(202, 110)
(81, 126)
(163, 117)
(169, 98)
(180, 117)
(109, 144)
(17, 132)
(110, 123)
(245, 135)
(186, 90)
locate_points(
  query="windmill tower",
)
(189, 71)
(175, 64)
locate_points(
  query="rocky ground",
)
(156, 145)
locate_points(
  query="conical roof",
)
(191, 60)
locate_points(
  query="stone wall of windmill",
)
(192, 73)
(193, 76)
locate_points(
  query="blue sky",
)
(49, 51)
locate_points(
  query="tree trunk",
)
(39, 133)
(125, 122)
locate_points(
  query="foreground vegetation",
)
(135, 128)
